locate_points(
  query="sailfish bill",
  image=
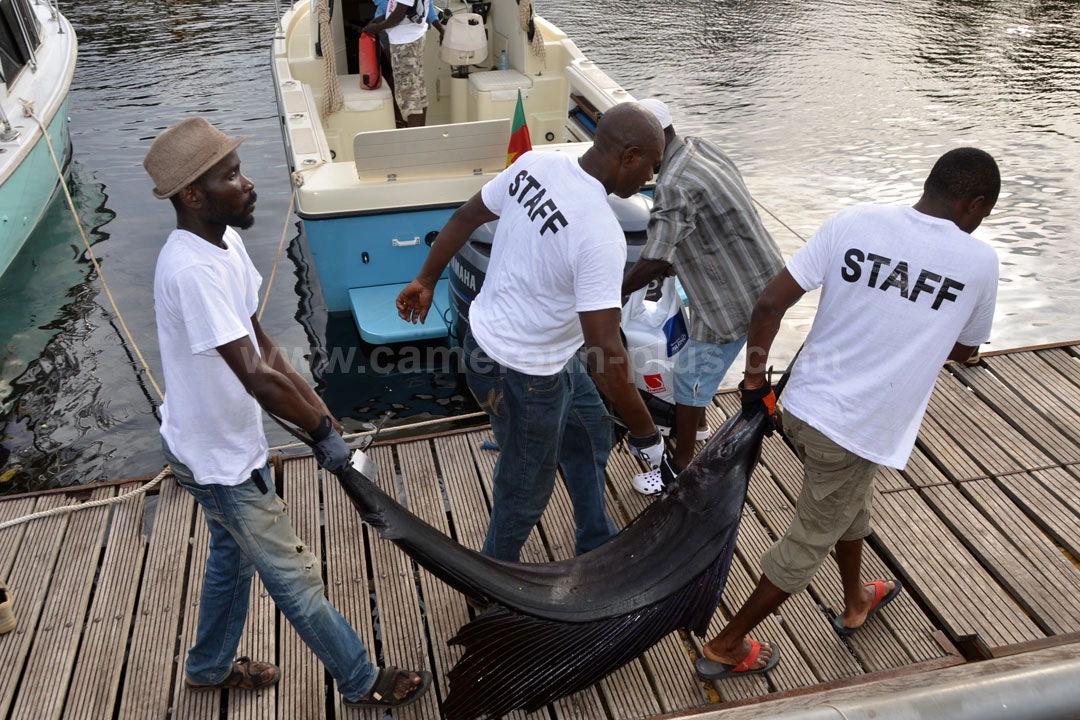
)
(552, 629)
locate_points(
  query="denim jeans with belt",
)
(542, 422)
(249, 531)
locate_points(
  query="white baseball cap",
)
(659, 110)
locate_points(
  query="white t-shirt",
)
(407, 31)
(558, 251)
(204, 297)
(899, 289)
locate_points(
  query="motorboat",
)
(371, 195)
(38, 49)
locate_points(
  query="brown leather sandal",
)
(381, 694)
(246, 675)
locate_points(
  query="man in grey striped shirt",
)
(704, 228)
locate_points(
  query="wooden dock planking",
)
(1044, 420)
(187, 703)
(404, 641)
(95, 680)
(1040, 383)
(152, 660)
(447, 610)
(38, 560)
(1043, 495)
(347, 580)
(981, 431)
(300, 694)
(983, 526)
(936, 565)
(51, 658)
(1042, 574)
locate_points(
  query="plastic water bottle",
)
(504, 63)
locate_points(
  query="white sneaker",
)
(648, 483)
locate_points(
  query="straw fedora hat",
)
(183, 152)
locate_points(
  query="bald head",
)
(627, 149)
(629, 125)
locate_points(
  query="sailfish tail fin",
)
(520, 661)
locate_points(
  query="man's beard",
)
(238, 220)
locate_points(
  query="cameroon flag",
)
(519, 135)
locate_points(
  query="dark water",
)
(823, 103)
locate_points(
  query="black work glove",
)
(329, 447)
(649, 448)
(758, 400)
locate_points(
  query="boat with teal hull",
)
(38, 49)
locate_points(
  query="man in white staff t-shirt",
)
(553, 284)
(903, 289)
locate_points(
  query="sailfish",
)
(552, 629)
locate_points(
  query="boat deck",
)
(983, 528)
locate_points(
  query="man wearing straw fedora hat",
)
(221, 370)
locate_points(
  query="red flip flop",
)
(881, 599)
(711, 670)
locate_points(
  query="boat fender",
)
(370, 74)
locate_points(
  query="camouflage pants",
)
(409, 90)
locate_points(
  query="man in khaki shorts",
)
(903, 290)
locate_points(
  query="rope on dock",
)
(83, 506)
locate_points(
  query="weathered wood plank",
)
(302, 689)
(978, 428)
(51, 659)
(1049, 499)
(95, 681)
(187, 703)
(152, 658)
(964, 597)
(1046, 581)
(348, 585)
(30, 578)
(1028, 415)
(404, 641)
(446, 608)
(461, 458)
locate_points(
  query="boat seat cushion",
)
(357, 99)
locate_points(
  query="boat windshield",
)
(20, 35)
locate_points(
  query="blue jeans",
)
(542, 422)
(700, 367)
(249, 531)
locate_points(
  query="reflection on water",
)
(47, 399)
(822, 103)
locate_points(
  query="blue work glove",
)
(757, 400)
(329, 447)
